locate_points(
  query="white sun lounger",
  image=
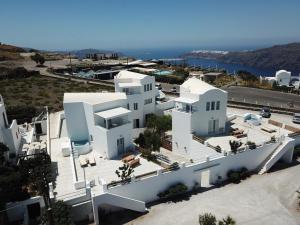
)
(82, 161)
(92, 160)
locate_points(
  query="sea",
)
(174, 55)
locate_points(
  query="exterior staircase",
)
(279, 151)
(75, 153)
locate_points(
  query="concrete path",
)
(269, 199)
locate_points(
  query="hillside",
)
(10, 52)
(278, 57)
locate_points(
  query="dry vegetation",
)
(38, 91)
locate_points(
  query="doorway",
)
(136, 123)
(120, 146)
(205, 178)
(213, 126)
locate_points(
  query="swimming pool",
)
(163, 72)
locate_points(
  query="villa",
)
(200, 110)
(98, 121)
(140, 91)
(93, 137)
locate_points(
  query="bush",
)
(61, 213)
(207, 219)
(251, 145)
(235, 176)
(173, 190)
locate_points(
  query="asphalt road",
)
(264, 97)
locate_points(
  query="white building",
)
(282, 78)
(200, 110)
(99, 121)
(140, 91)
(9, 133)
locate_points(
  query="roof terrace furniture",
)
(134, 162)
(128, 158)
(92, 160)
(267, 129)
(83, 162)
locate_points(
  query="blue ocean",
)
(147, 54)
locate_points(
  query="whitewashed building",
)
(9, 133)
(200, 110)
(282, 78)
(140, 91)
(98, 121)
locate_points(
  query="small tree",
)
(39, 59)
(124, 171)
(61, 214)
(234, 145)
(38, 171)
(207, 219)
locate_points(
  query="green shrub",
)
(173, 190)
(235, 176)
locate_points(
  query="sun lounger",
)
(267, 129)
(92, 160)
(240, 135)
(128, 158)
(82, 161)
(134, 162)
(237, 132)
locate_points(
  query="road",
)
(30, 65)
(263, 97)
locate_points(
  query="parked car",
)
(296, 118)
(173, 89)
(265, 112)
(158, 86)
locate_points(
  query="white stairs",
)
(281, 149)
(75, 153)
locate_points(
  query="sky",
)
(141, 24)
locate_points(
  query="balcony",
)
(112, 118)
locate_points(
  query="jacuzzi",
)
(82, 147)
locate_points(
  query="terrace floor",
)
(253, 133)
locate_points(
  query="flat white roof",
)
(93, 98)
(125, 74)
(134, 84)
(111, 113)
(185, 100)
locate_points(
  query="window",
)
(212, 105)
(150, 87)
(218, 105)
(135, 106)
(145, 88)
(128, 106)
(207, 106)
(148, 101)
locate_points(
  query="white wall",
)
(76, 121)
(16, 210)
(148, 188)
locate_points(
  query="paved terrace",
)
(253, 133)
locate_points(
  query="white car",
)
(296, 118)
